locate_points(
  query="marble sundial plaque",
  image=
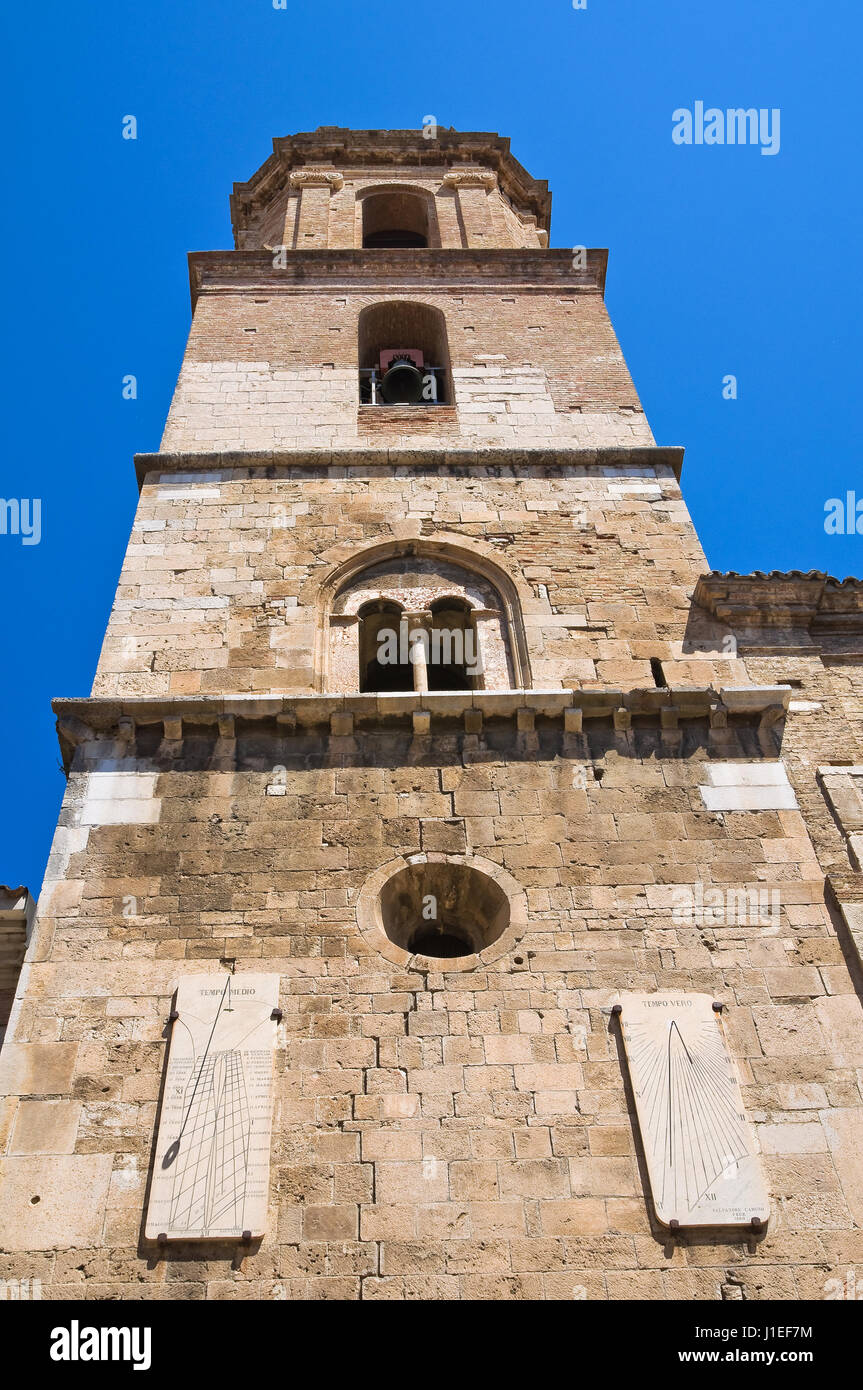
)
(211, 1174)
(701, 1158)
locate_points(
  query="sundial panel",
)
(211, 1174)
(698, 1143)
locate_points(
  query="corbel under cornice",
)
(83, 721)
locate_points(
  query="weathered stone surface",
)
(53, 1203)
(37, 1068)
(844, 1134)
(45, 1127)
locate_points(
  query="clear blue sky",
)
(722, 260)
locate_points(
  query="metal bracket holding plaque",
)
(211, 1174)
(701, 1157)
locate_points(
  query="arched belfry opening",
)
(420, 621)
(403, 355)
(395, 218)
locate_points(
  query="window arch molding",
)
(450, 548)
(404, 202)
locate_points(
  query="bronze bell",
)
(402, 384)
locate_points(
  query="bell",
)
(402, 384)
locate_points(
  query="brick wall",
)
(313, 214)
(267, 370)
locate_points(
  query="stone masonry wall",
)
(223, 571)
(825, 728)
(436, 1135)
(439, 1133)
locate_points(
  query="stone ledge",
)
(316, 460)
(494, 268)
(83, 720)
(794, 611)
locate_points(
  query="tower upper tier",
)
(345, 189)
(357, 251)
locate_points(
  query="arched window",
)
(421, 621)
(395, 217)
(403, 355)
(426, 649)
(384, 656)
(453, 658)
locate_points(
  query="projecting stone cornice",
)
(82, 721)
(262, 462)
(812, 604)
(387, 271)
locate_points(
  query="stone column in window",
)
(291, 223)
(501, 233)
(446, 207)
(419, 627)
(492, 656)
(344, 663)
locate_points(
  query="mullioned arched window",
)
(420, 621)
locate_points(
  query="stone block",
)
(54, 1203)
(37, 1069)
(45, 1127)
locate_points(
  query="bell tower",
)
(355, 246)
(417, 718)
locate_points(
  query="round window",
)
(457, 911)
(443, 910)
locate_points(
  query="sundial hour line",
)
(174, 1149)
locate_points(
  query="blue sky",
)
(722, 260)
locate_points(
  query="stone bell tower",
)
(418, 740)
